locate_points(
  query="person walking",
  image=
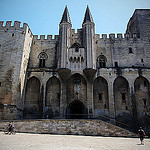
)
(10, 128)
(141, 135)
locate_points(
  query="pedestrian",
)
(10, 128)
(141, 135)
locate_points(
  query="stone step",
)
(68, 126)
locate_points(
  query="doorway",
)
(76, 110)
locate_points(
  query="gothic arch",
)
(76, 46)
(32, 103)
(42, 55)
(142, 95)
(76, 89)
(52, 100)
(121, 96)
(101, 61)
(76, 110)
(100, 96)
(42, 58)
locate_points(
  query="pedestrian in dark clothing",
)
(141, 135)
(10, 128)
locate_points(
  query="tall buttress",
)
(88, 27)
(64, 38)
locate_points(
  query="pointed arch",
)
(101, 61)
(76, 46)
(100, 96)
(76, 88)
(76, 110)
(52, 100)
(121, 96)
(32, 103)
(142, 102)
(42, 58)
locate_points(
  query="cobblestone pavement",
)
(26, 141)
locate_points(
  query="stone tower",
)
(64, 38)
(14, 55)
(139, 24)
(89, 39)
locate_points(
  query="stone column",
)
(90, 73)
(90, 99)
(132, 100)
(111, 102)
(64, 75)
(41, 100)
(133, 109)
(44, 99)
(63, 100)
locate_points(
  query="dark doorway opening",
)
(76, 110)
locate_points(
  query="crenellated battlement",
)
(76, 33)
(9, 25)
(49, 37)
(15, 26)
(113, 36)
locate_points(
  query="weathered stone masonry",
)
(76, 75)
(75, 127)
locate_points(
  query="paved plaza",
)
(26, 141)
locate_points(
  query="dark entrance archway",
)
(76, 110)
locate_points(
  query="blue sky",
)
(43, 16)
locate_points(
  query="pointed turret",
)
(88, 16)
(65, 17)
(65, 38)
(88, 28)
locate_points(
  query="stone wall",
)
(124, 87)
(75, 127)
(43, 46)
(139, 23)
(15, 42)
(127, 52)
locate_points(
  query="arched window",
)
(76, 46)
(101, 61)
(42, 57)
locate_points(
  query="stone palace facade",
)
(76, 75)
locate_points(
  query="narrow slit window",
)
(142, 60)
(58, 95)
(130, 50)
(43, 63)
(40, 63)
(116, 64)
(100, 96)
(123, 97)
(144, 101)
